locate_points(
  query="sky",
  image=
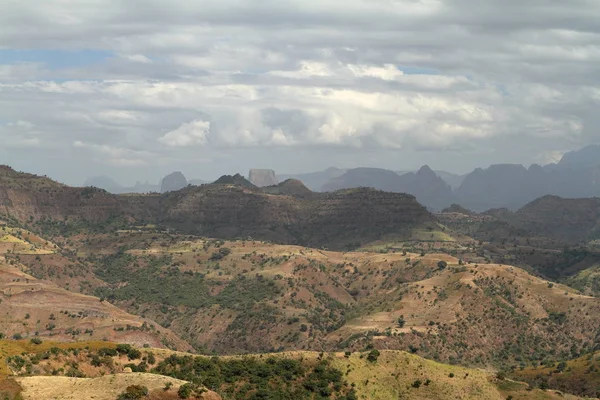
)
(135, 90)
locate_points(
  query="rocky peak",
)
(262, 177)
(173, 182)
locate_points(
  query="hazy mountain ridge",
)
(510, 186)
(429, 189)
(231, 207)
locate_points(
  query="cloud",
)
(115, 156)
(187, 134)
(408, 79)
(138, 58)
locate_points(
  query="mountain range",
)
(511, 186)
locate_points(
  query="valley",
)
(229, 270)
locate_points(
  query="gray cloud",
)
(194, 85)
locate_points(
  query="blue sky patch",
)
(54, 59)
(411, 70)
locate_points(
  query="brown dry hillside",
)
(251, 296)
(34, 308)
(343, 219)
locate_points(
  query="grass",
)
(394, 373)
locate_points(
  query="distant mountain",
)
(262, 177)
(588, 156)
(104, 182)
(173, 182)
(429, 189)
(197, 182)
(376, 178)
(512, 186)
(314, 180)
(454, 180)
(108, 184)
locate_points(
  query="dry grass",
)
(103, 388)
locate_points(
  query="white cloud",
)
(187, 134)
(115, 156)
(375, 74)
(140, 58)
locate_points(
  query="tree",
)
(134, 392)
(442, 265)
(373, 355)
(186, 391)
(401, 322)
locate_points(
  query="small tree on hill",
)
(401, 322)
(373, 355)
(134, 392)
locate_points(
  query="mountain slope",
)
(229, 208)
(31, 307)
(428, 188)
(314, 180)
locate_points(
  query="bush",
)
(134, 392)
(416, 384)
(185, 391)
(36, 340)
(373, 355)
(401, 322)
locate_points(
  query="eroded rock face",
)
(173, 182)
(263, 177)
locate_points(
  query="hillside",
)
(229, 208)
(372, 375)
(580, 376)
(344, 219)
(32, 307)
(11, 179)
(35, 308)
(258, 297)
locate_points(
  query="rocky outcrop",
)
(262, 177)
(237, 180)
(173, 182)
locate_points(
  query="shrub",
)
(373, 355)
(36, 340)
(416, 384)
(134, 392)
(401, 322)
(185, 391)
